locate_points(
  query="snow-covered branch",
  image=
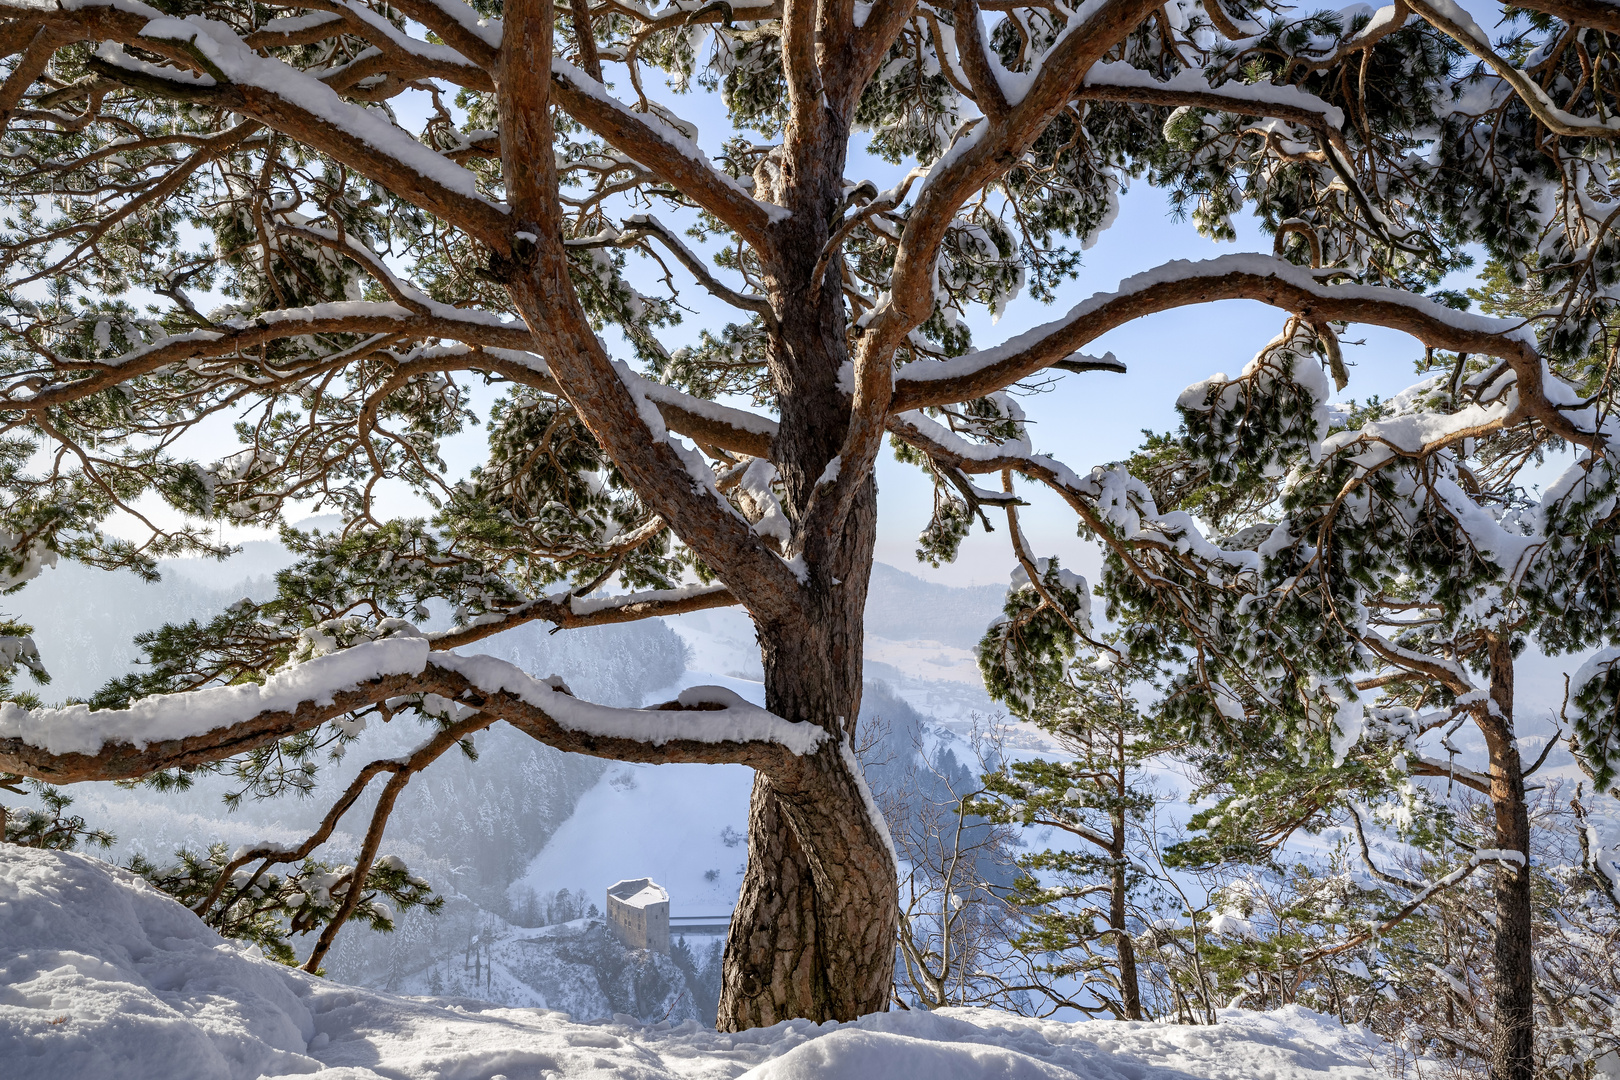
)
(72, 744)
(659, 146)
(212, 65)
(1120, 81)
(705, 723)
(980, 152)
(1239, 277)
(176, 730)
(1449, 18)
(1450, 674)
(458, 26)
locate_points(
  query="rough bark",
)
(813, 935)
(814, 931)
(1512, 1037)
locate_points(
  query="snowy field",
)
(103, 977)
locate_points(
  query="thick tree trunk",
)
(1513, 1036)
(814, 931)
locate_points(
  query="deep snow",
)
(103, 977)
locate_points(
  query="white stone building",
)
(638, 912)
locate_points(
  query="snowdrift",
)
(103, 977)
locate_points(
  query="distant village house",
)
(638, 912)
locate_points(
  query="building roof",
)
(638, 892)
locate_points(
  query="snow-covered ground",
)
(103, 977)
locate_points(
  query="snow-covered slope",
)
(101, 977)
(579, 967)
(681, 825)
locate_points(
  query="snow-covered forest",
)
(579, 537)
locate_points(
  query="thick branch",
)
(458, 26)
(124, 760)
(1234, 277)
(706, 724)
(976, 61)
(869, 45)
(986, 151)
(609, 398)
(296, 104)
(1596, 14)
(30, 66)
(1467, 33)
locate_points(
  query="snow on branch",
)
(385, 34)
(458, 26)
(222, 51)
(1599, 835)
(218, 67)
(660, 147)
(1446, 671)
(707, 715)
(1450, 19)
(1238, 277)
(295, 698)
(1423, 765)
(1120, 81)
(294, 30)
(164, 731)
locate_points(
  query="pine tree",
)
(1405, 564)
(217, 209)
(1083, 901)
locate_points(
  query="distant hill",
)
(85, 620)
(904, 607)
(258, 561)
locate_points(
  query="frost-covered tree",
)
(331, 222)
(1406, 553)
(1082, 899)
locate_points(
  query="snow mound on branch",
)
(103, 977)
